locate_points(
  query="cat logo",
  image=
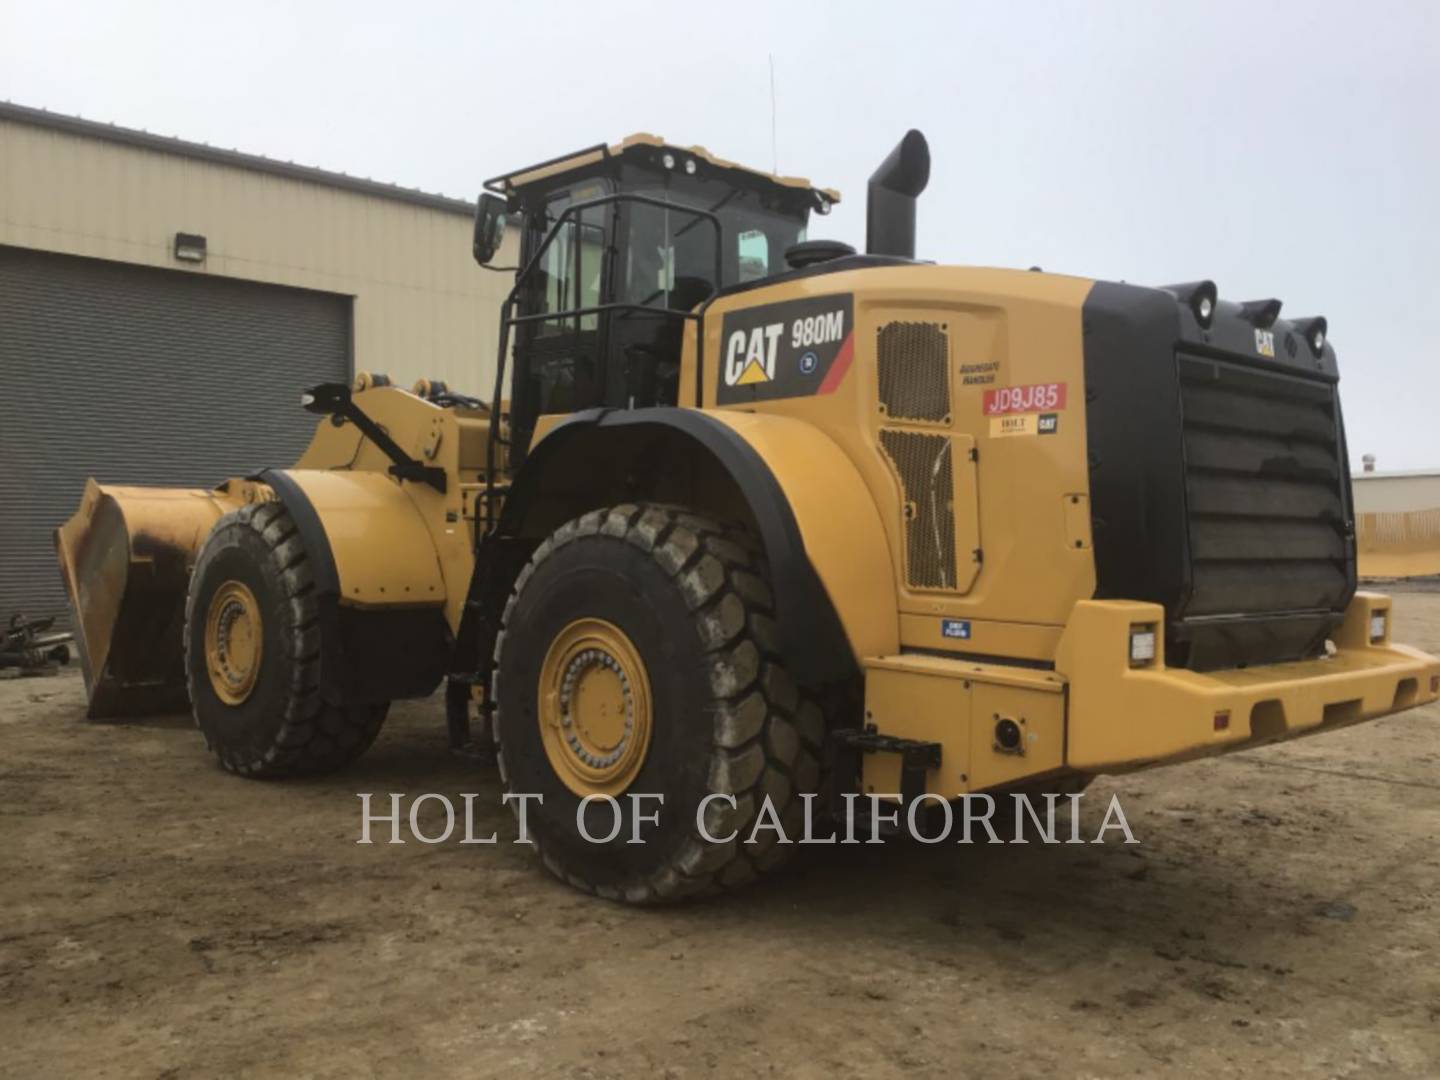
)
(794, 348)
(750, 356)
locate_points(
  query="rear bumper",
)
(1122, 717)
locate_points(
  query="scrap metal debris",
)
(31, 646)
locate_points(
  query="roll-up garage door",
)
(141, 376)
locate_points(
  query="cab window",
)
(571, 270)
(753, 255)
(669, 258)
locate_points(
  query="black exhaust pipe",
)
(890, 203)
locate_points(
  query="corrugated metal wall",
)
(137, 375)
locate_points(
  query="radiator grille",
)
(913, 359)
(1269, 526)
(926, 474)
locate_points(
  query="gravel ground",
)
(160, 918)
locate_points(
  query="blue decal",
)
(808, 363)
(955, 628)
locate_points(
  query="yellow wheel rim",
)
(234, 642)
(594, 715)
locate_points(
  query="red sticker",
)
(1037, 397)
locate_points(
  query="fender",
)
(822, 535)
(383, 631)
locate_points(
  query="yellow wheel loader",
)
(750, 520)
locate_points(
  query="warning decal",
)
(1034, 398)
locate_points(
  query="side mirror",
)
(489, 227)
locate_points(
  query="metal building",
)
(163, 303)
(1399, 491)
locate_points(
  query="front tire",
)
(252, 654)
(638, 656)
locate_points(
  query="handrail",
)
(600, 309)
(605, 200)
(507, 319)
(498, 184)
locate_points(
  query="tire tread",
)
(765, 739)
(315, 737)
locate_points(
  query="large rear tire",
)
(252, 653)
(637, 656)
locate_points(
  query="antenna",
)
(774, 152)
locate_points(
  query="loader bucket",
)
(125, 558)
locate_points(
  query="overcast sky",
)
(1282, 149)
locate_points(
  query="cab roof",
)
(638, 144)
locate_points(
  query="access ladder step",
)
(917, 757)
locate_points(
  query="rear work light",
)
(1142, 645)
(1378, 619)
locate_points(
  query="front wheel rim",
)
(234, 642)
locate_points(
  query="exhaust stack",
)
(890, 201)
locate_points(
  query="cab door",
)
(560, 334)
(665, 266)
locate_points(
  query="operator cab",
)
(618, 247)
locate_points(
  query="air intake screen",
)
(924, 464)
(914, 366)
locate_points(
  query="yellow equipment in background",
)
(1398, 543)
(751, 519)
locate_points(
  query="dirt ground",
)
(1281, 916)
